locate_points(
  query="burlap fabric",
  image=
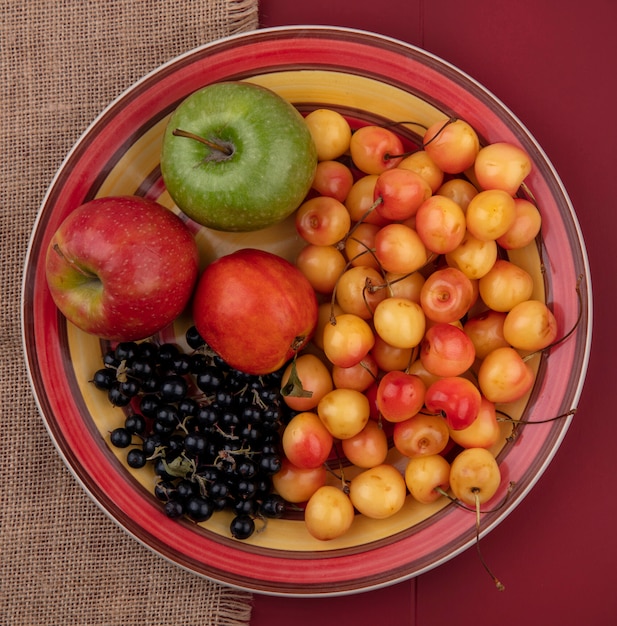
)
(63, 561)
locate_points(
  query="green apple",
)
(237, 157)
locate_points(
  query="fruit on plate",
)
(237, 157)
(121, 267)
(254, 309)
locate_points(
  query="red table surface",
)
(553, 63)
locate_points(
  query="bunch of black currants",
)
(211, 433)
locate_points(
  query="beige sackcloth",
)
(62, 560)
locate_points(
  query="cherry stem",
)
(388, 156)
(462, 505)
(373, 206)
(500, 586)
(449, 121)
(571, 331)
(477, 510)
(225, 150)
(525, 189)
(508, 418)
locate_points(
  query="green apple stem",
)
(224, 149)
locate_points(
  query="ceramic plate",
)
(370, 79)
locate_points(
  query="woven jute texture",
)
(62, 560)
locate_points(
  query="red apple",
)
(122, 267)
(255, 309)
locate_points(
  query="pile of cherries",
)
(210, 432)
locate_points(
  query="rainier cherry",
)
(399, 322)
(359, 376)
(421, 435)
(328, 513)
(322, 266)
(405, 285)
(486, 332)
(325, 312)
(525, 227)
(530, 326)
(358, 292)
(452, 144)
(490, 214)
(389, 357)
(295, 484)
(503, 376)
(360, 202)
(501, 165)
(400, 396)
(359, 246)
(456, 398)
(424, 474)
(459, 190)
(333, 179)
(374, 149)
(421, 163)
(314, 378)
(348, 340)
(447, 295)
(344, 412)
(441, 224)
(474, 476)
(306, 441)
(505, 285)
(446, 350)
(322, 221)
(330, 131)
(399, 249)
(473, 256)
(484, 432)
(368, 448)
(400, 193)
(378, 492)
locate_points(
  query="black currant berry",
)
(104, 378)
(120, 438)
(117, 397)
(125, 350)
(199, 509)
(136, 458)
(193, 338)
(174, 509)
(242, 527)
(135, 424)
(173, 388)
(273, 506)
